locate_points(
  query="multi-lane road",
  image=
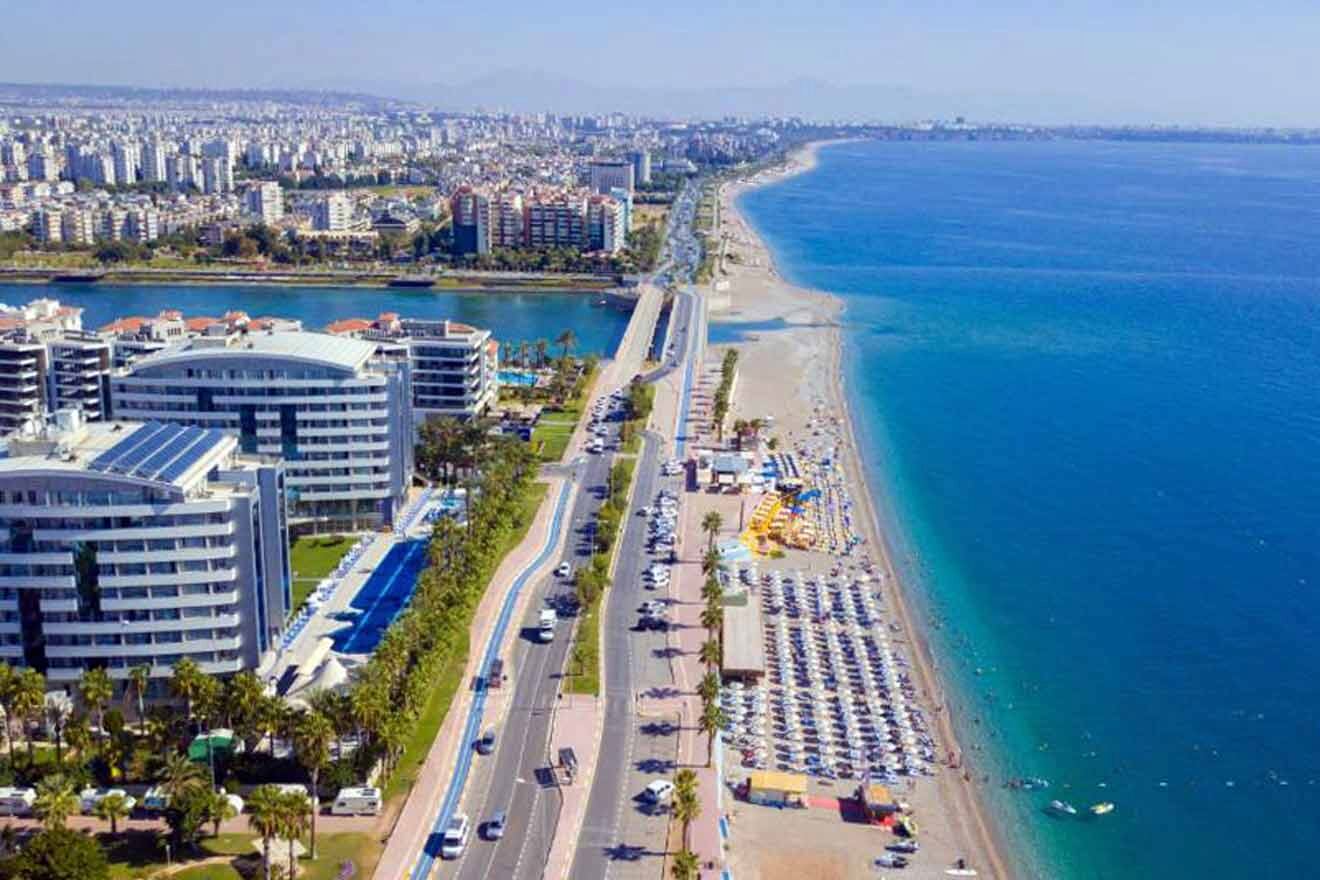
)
(513, 778)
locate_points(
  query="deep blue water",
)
(512, 316)
(1088, 379)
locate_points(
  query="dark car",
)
(486, 744)
(495, 826)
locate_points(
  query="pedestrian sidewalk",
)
(410, 832)
(578, 725)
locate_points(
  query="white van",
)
(546, 629)
(363, 801)
(89, 797)
(456, 837)
(17, 801)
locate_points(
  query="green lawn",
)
(208, 872)
(554, 429)
(135, 855)
(451, 674)
(312, 558)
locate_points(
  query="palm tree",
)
(712, 589)
(29, 701)
(243, 704)
(112, 808)
(8, 684)
(139, 678)
(523, 348)
(712, 721)
(709, 688)
(178, 774)
(687, 805)
(186, 683)
(311, 743)
(711, 561)
(58, 712)
(566, 341)
(219, 809)
(294, 810)
(686, 866)
(711, 616)
(56, 801)
(711, 524)
(97, 689)
(265, 808)
(711, 654)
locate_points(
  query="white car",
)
(564, 569)
(658, 792)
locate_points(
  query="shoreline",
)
(441, 284)
(968, 815)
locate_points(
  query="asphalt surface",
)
(619, 836)
(514, 777)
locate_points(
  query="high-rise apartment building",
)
(217, 175)
(555, 221)
(127, 159)
(606, 230)
(139, 545)
(641, 163)
(265, 201)
(332, 213)
(607, 174)
(77, 226)
(509, 227)
(471, 214)
(153, 162)
(335, 413)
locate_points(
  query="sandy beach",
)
(795, 375)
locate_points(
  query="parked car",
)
(495, 826)
(455, 838)
(486, 744)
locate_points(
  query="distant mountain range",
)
(66, 92)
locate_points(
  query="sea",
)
(1087, 378)
(513, 316)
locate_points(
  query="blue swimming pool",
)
(382, 598)
(514, 377)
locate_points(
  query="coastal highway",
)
(615, 832)
(508, 779)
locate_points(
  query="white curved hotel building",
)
(334, 412)
(139, 544)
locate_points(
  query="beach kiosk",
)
(876, 801)
(772, 788)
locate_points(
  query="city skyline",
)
(1077, 62)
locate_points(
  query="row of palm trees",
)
(720, 404)
(520, 354)
(686, 809)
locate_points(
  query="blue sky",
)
(1198, 60)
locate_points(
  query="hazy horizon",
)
(1082, 61)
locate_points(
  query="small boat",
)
(1103, 808)
(1063, 807)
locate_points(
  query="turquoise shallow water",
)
(512, 316)
(1088, 385)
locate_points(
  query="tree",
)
(542, 348)
(29, 701)
(711, 561)
(311, 743)
(96, 689)
(56, 801)
(61, 854)
(711, 524)
(186, 683)
(294, 810)
(179, 775)
(709, 688)
(112, 808)
(685, 866)
(687, 804)
(712, 589)
(218, 809)
(711, 654)
(139, 679)
(566, 341)
(711, 722)
(58, 712)
(8, 687)
(264, 808)
(711, 616)
(187, 813)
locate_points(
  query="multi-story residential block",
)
(43, 165)
(77, 226)
(609, 173)
(127, 158)
(334, 412)
(153, 162)
(134, 338)
(217, 176)
(510, 227)
(24, 372)
(143, 225)
(265, 201)
(454, 367)
(48, 226)
(332, 213)
(78, 374)
(606, 227)
(471, 213)
(641, 163)
(113, 224)
(139, 544)
(556, 221)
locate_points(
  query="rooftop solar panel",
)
(139, 438)
(167, 452)
(129, 461)
(190, 457)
